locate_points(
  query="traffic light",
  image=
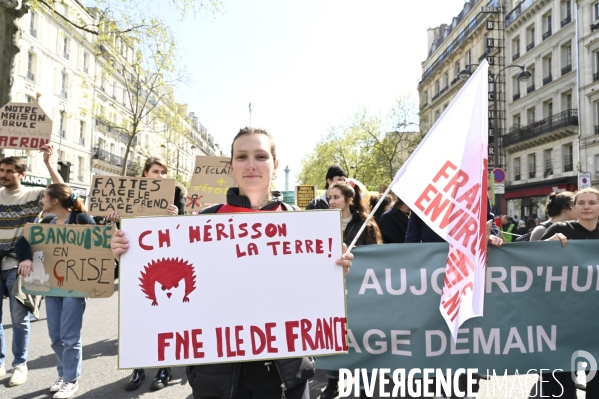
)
(64, 170)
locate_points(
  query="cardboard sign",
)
(210, 181)
(304, 194)
(231, 287)
(130, 196)
(70, 260)
(24, 125)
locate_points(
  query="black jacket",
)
(318, 203)
(221, 380)
(394, 225)
(367, 237)
(180, 194)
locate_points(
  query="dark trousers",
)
(552, 387)
(259, 382)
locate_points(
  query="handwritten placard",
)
(251, 286)
(130, 196)
(210, 181)
(304, 194)
(70, 260)
(24, 125)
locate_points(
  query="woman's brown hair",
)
(151, 161)
(350, 190)
(67, 198)
(250, 130)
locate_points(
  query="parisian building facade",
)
(545, 126)
(59, 67)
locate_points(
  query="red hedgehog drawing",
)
(168, 272)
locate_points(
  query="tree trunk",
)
(9, 36)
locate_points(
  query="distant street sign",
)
(499, 175)
(584, 180)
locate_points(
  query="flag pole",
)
(353, 243)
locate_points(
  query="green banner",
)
(541, 306)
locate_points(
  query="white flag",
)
(445, 183)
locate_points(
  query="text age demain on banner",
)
(445, 183)
(251, 286)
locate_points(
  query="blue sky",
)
(304, 65)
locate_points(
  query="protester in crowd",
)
(394, 223)
(383, 207)
(586, 207)
(64, 314)
(508, 228)
(18, 205)
(156, 168)
(348, 198)
(253, 166)
(334, 174)
(559, 208)
(521, 229)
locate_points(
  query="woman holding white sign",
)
(64, 314)
(253, 166)
(155, 168)
(586, 206)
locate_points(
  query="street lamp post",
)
(523, 76)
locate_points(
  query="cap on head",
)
(333, 171)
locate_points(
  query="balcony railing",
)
(517, 11)
(103, 155)
(515, 56)
(516, 96)
(532, 170)
(566, 69)
(65, 55)
(538, 128)
(63, 94)
(85, 69)
(443, 90)
(517, 173)
(436, 96)
(30, 76)
(567, 20)
(596, 129)
(530, 88)
(80, 177)
(547, 34)
(547, 79)
(568, 164)
(455, 80)
(32, 32)
(82, 140)
(530, 45)
(62, 133)
(595, 76)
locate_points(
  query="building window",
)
(547, 26)
(597, 165)
(515, 87)
(437, 87)
(102, 83)
(81, 132)
(65, 48)
(31, 66)
(517, 169)
(446, 80)
(532, 166)
(596, 11)
(530, 37)
(81, 168)
(566, 58)
(548, 109)
(566, 9)
(515, 49)
(64, 82)
(530, 116)
(567, 155)
(566, 101)
(62, 125)
(456, 69)
(547, 70)
(29, 98)
(516, 122)
(425, 98)
(32, 24)
(548, 160)
(85, 61)
(469, 58)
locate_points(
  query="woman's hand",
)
(25, 268)
(172, 210)
(495, 241)
(114, 217)
(48, 150)
(119, 244)
(558, 237)
(345, 260)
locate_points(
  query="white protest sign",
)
(231, 287)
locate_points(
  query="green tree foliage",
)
(367, 146)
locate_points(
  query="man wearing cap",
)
(18, 205)
(334, 174)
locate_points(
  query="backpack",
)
(526, 237)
